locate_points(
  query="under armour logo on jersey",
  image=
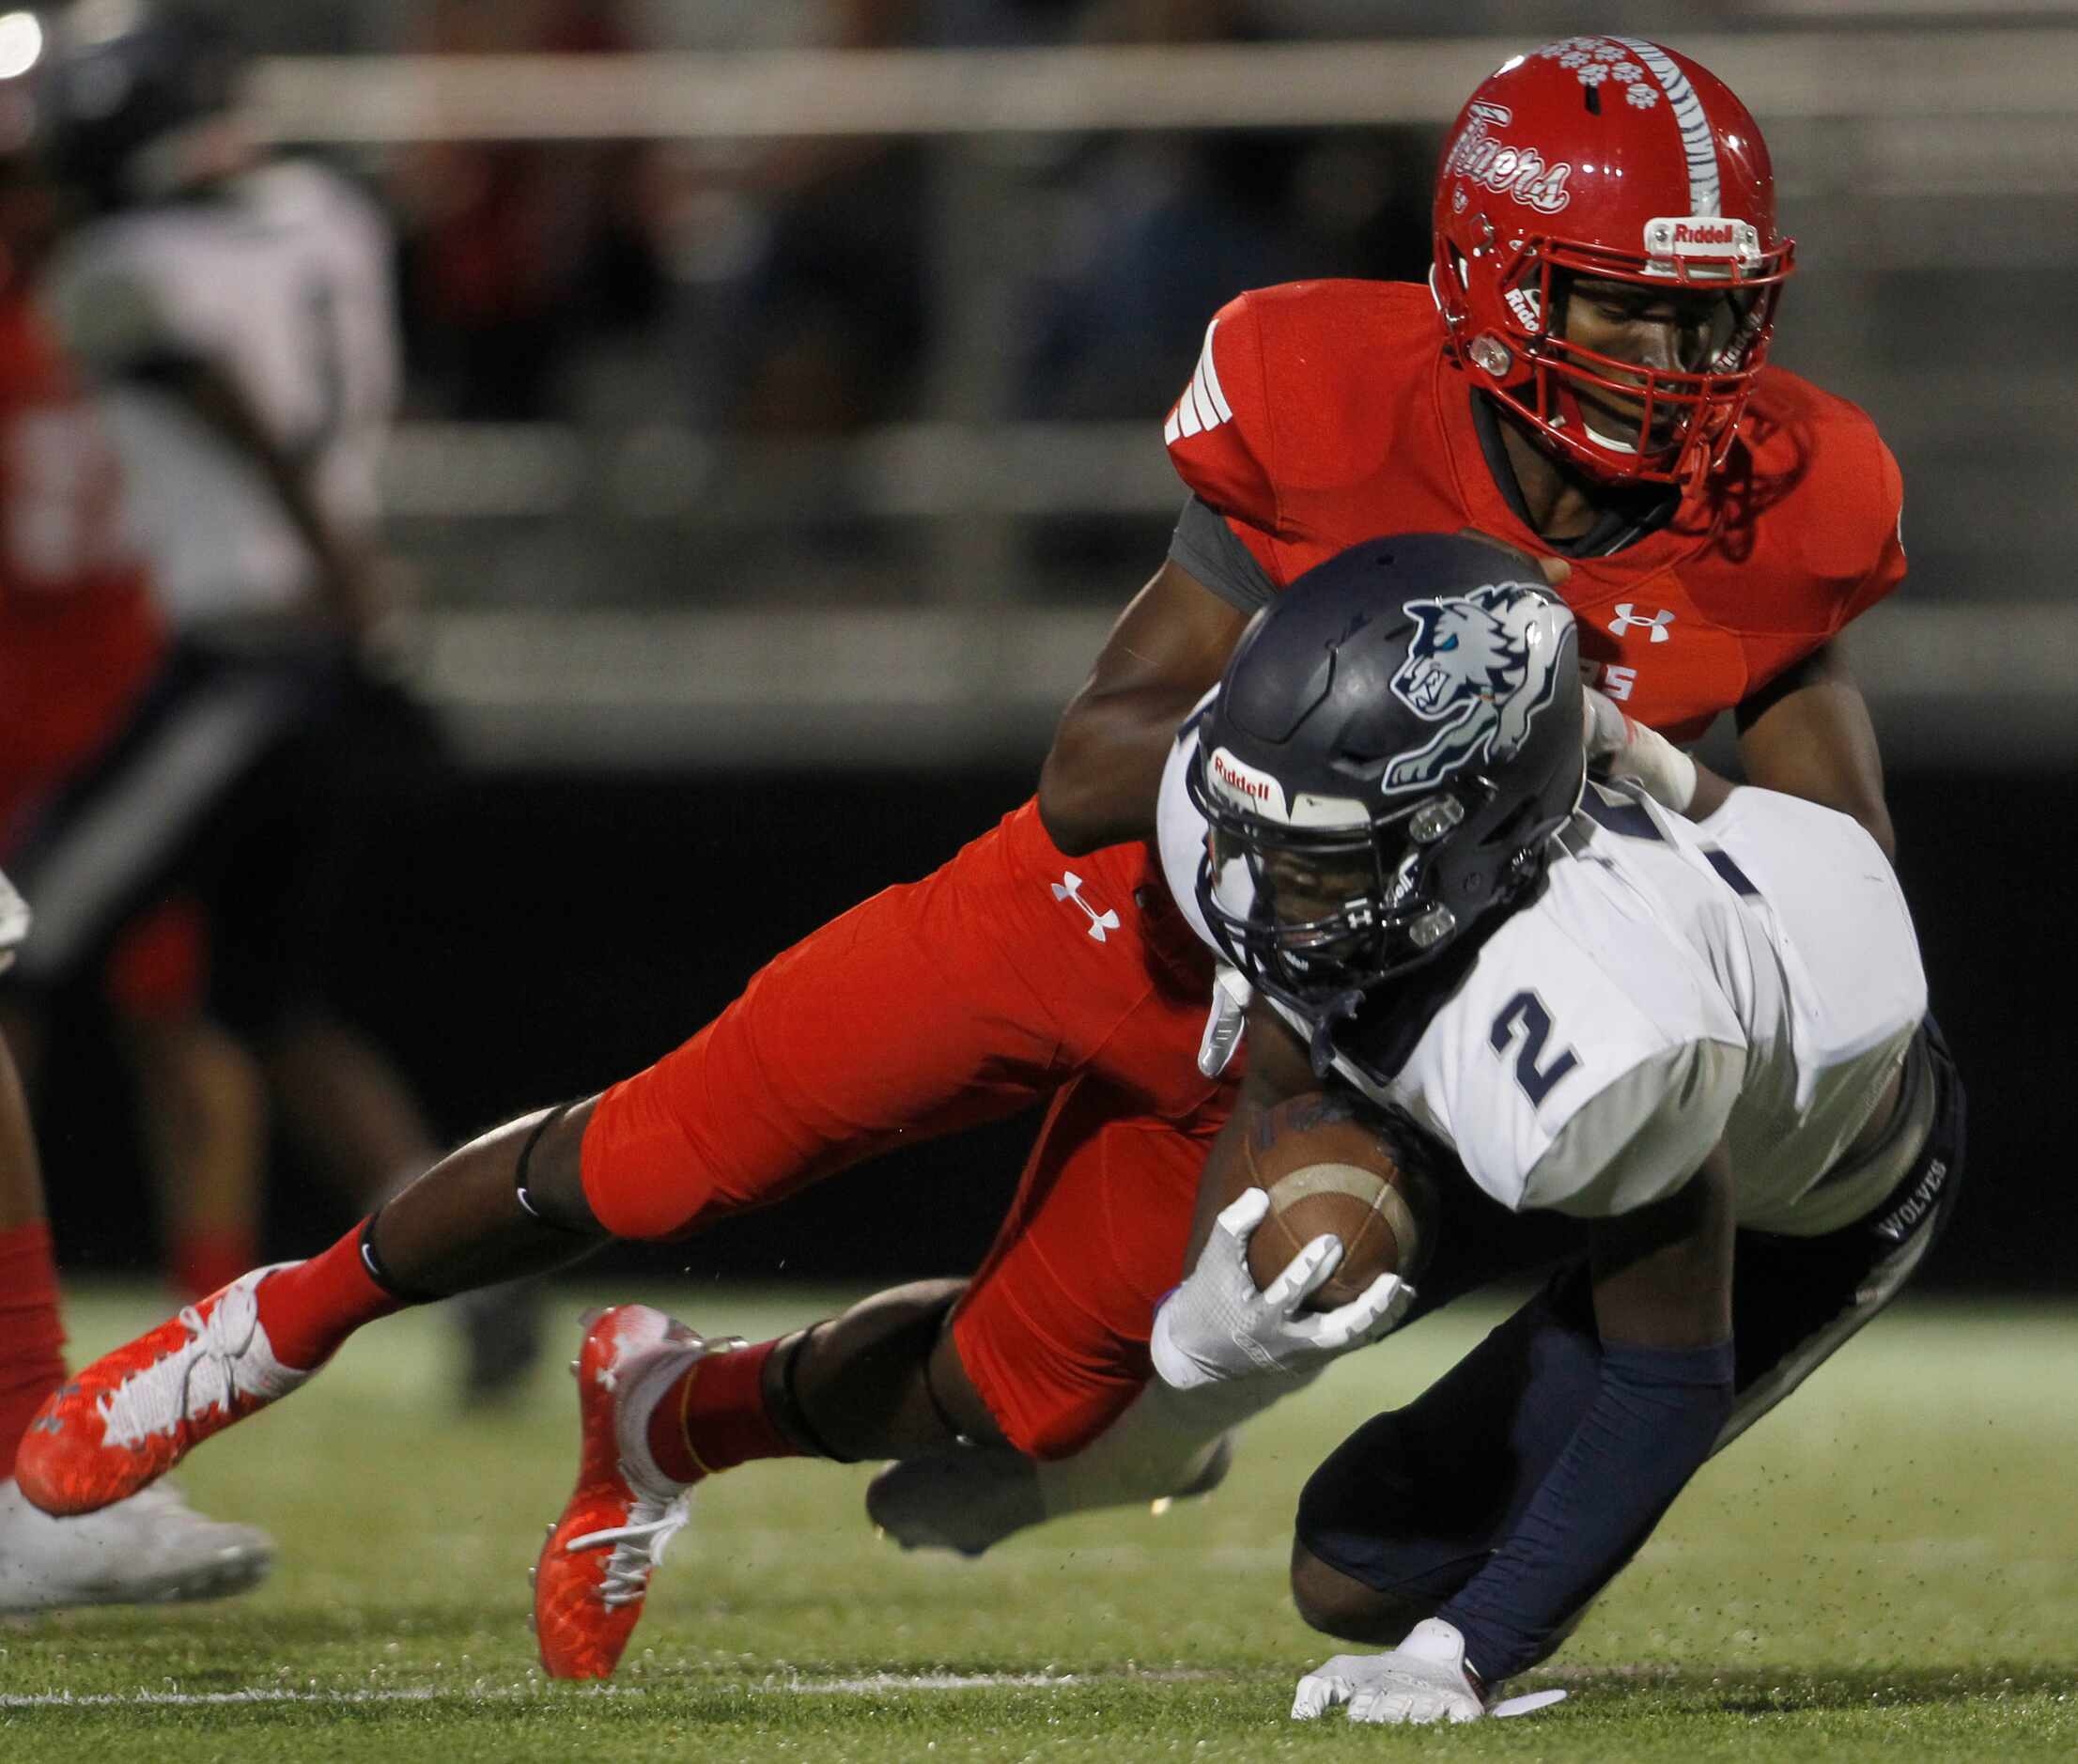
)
(1070, 889)
(1625, 618)
(1204, 405)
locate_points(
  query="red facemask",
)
(1613, 158)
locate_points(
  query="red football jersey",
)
(79, 637)
(1325, 413)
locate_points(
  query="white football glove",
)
(1217, 1327)
(1618, 746)
(1421, 1680)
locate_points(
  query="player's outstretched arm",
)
(1101, 776)
(1807, 734)
(1663, 1312)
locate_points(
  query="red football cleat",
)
(127, 1419)
(594, 1571)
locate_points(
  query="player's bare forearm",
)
(218, 399)
(1807, 734)
(1662, 1274)
(1101, 774)
(1712, 792)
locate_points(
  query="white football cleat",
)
(146, 1550)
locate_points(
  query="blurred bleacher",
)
(835, 436)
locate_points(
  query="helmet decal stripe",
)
(1698, 140)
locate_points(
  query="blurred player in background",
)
(81, 644)
(237, 312)
(1594, 389)
(143, 1549)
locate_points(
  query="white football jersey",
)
(283, 278)
(1754, 980)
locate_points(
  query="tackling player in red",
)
(1607, 263)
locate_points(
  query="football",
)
(1332, 1165)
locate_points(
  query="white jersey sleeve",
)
(1586, 1063)
(1641, 1136)
(14, 922)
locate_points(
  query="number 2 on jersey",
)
(1525, 1014)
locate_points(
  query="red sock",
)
(32, 1363)
(207, 1259)
(713, 1417)
(309, 1309)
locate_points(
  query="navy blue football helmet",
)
(1395, 740)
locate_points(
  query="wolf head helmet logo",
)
(1482, 664)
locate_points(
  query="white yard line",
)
(981, 1681)
(878, 1683)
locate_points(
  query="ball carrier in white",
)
(1707, 1043)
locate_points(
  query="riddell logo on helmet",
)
(1515, 172)
(1246, 787)
(1702, 236)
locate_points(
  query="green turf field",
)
(1886, 1568)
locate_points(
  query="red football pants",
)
(1053, 1330)
(991, 983)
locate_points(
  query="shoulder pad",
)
(1300, 387)
(1218, 431)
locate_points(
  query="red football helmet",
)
(1615, 159)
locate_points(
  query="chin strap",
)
(1320, 1050)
